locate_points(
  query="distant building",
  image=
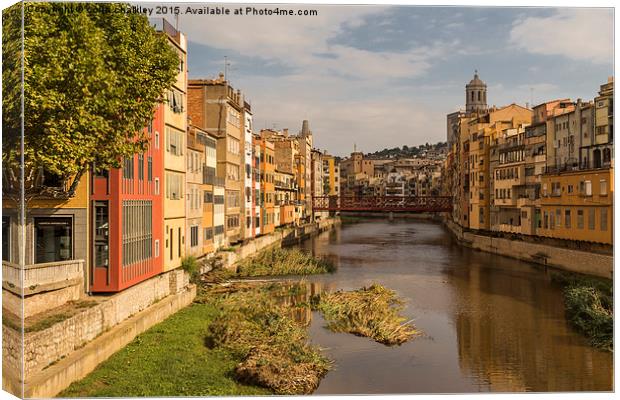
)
(217, 107)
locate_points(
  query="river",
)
(490, 323)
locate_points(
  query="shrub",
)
(190, 265)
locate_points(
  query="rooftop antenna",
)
(532, 96)
(354, 147)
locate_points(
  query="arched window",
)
(484, 96)
(479, 95)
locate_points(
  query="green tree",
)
(92, 77)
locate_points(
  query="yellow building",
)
(175, 131)
(267, 192)
(578, 205)
(482, 131)
(331, 176)
(56, 228)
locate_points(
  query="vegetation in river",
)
(272, 348)
(279, 261)
(589, 306)
(372, 311)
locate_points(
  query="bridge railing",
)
(382, 203)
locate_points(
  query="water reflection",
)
(298, 297)
(492, 323)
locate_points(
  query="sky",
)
(386, 76)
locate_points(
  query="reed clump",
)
(278, 261)
(372, 312)
(272, 348)
(589, 306)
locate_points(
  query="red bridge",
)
(413, 204)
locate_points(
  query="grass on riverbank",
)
(239, 342)
(169, 359)
(272, 347)
(372, 312)
(279, 261)
(589, 306)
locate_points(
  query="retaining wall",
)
(567, 259)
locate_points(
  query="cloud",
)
(303, 44)
(578, 34)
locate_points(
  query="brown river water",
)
(490, 323)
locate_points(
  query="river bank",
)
(582, 262)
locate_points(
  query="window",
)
(579, 219)
(194, 236)
(128, 168)
(171, 241)
(558, 218)
(233, 145)
(53, 239)
(232, 221)
(174, 141)
(181, 241)
(567, 218)
(232, 198)
(101, 230)
(149, 169)
(208, 197)
(233, 116)
(157, 186)
(570, 189)
(157, 248)
(219, 229)
(176, 101)
(174, 186)
(232, 172)
(218, 199)
(603, 219)
(157, 140)
(6, 238)
(603, 191)
(141, 167)
(591, 219)
(137, 221)
(587, 188)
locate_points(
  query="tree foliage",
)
(92, 77)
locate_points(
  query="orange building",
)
(267, 188)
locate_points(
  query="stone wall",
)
(49, 345)
(567, 259)
(51, 381)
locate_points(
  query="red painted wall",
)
(115, 189)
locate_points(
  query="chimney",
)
(285, 132)
(305, 130)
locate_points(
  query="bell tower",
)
(476, 95)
